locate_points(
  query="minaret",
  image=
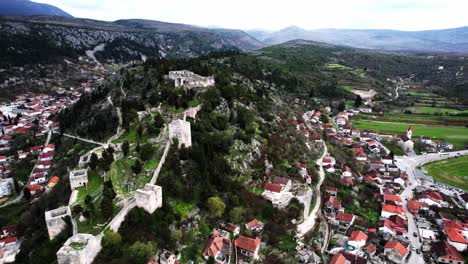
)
(409, 133)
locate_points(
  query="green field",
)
(434, 110)
(94, 189)
(455, 120)
(456, 135)
(453, 172)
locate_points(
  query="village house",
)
(446, 253)
(432, 198)
(394, 225)
(254, 226)
(395, 251)
(328, 161)
(331, 191)
(457, 236)
(218, 247)
(339, 259)
(357, 239)
(7, 187)
(389, 210)
(345, 220)
(247, 246)
(392, 199)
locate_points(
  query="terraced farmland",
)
(426, 102)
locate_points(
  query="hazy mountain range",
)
(446, 40)
(28, 8)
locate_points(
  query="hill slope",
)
(45, 38)
(447, 40)
(29, 8)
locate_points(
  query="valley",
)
(139, 141)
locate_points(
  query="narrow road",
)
(309, 223)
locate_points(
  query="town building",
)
(395, 251)
(7, 187)
(247, 246)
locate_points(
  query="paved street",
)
(409, 164)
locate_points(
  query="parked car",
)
(418, 251)
(415, 234)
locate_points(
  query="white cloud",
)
(275, 14)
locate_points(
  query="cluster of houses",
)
(40, 179)
(227, 245)
(9, 245)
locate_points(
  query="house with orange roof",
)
(389, 210)
(457, 237)
(392, 199)
(339, 259)
(414, 206)
(218, 247)
(395, 251)
(394, 225)
(357, 239)
(247, 246)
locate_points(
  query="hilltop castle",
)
(190, 80)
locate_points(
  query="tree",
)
(137, 167)
(342, 106)
(111, 244)
(358, 101)
(77, 209)
(140, 252)
(125, 148)
(236, 214)
(146, 152)
(26, 194)
(107, 208)
(158, 121)
(93, 161)
(216, 206)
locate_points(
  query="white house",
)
(7, 187)
(357, 239)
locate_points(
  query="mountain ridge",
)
(29, 8)
(453, 40)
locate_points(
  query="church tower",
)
(409, 133)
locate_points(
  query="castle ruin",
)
(190, 80)
(55, 220)
(78, 178)
(180, 129)
(79, 249)
(149, 198)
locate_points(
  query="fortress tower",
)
(149, 198)
(180, 129)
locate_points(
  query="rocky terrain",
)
(45, 39)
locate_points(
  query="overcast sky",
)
(277, 14)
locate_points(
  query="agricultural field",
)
(427, 119)
(453, 172)
(457, 135)
(94, 189)
(425, 102)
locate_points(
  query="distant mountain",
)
(29, 8)
(446, 40)
(40, 39)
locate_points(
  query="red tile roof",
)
(392, 198)
(357, 236)
(247, 243)
(370, 248)
(253, 223)
(272, 187)
(455, 235)
(345, 217)
(448, 252)
(338, 259)
(393, 209)
(397, 246)
(213, 246)
(281, 180)
(414, 206)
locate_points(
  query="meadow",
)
(457, 135)
(453, 172)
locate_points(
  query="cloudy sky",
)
(277, 14)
